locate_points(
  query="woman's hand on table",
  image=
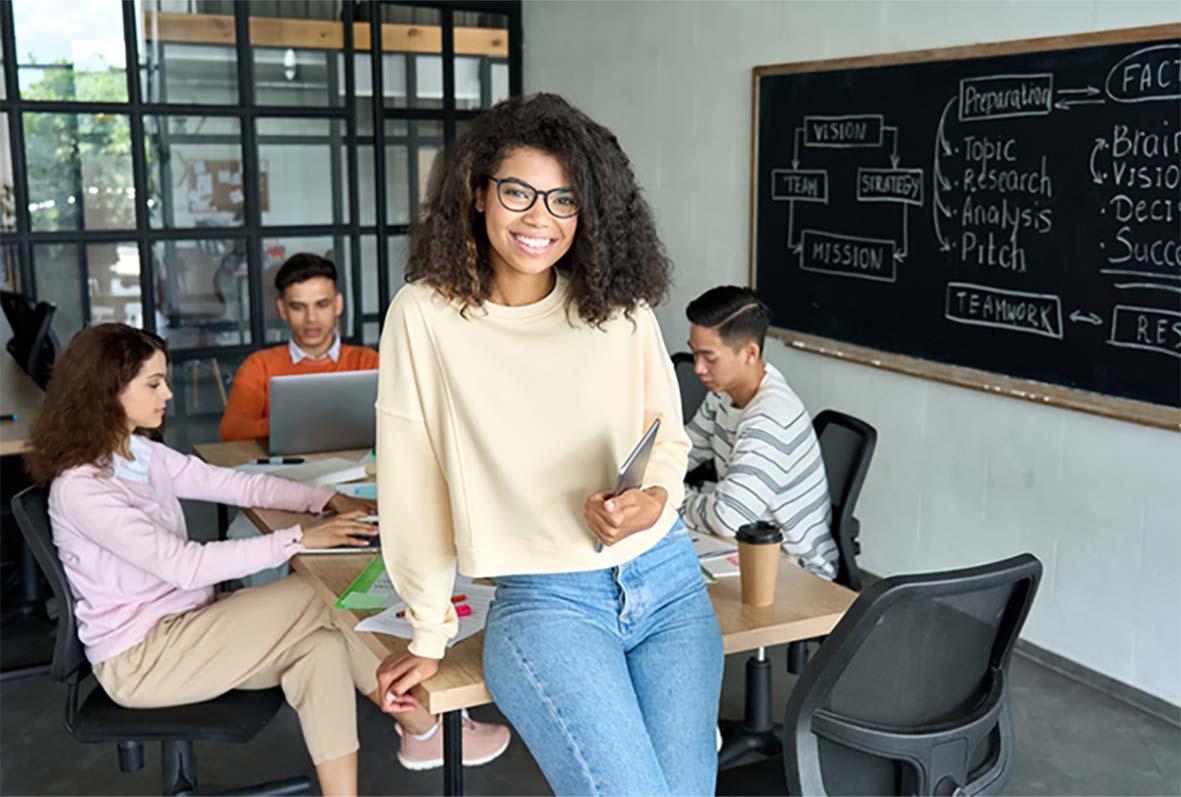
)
(338, 531)
(397, 675)
(612, 518)
(341, 503)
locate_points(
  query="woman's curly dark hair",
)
(82, 420)
(616, 260)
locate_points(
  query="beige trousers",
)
(280, 634)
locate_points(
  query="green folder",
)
(357, 596)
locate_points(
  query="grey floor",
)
(1072, 739)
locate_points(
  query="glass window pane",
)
(371, 334)
(7, 195)
(411, 150)
(396, 266)
(202, 292)
(399, 248)
(9, 272)
(500, 87)
(79, 171)
(275, 252)
(73, 53)
(186, 57)
(370, 298)
(303, 171)
(428, 81)
(57, 272)
(113, 283)
(294, 44)
(393, 86)
(200, 390)
(194, 171)
(481, 65)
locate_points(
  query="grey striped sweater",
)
(769, 468)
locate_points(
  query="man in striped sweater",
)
(757, 433)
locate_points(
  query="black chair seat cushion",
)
(763, 778)
(236, 716)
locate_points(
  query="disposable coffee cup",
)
(758, 562)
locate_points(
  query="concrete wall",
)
(959, 476)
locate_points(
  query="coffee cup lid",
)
(760, 533)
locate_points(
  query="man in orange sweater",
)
(311, 305)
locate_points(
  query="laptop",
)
(323, 412)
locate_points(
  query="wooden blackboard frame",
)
(987, 381)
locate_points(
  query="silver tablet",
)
(631, 472)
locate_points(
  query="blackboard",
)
(1002, 216)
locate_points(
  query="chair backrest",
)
(692, 391)
(31, 509)
(908, 693)
(846, 444)
(33, 345)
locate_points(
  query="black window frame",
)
(252, 232)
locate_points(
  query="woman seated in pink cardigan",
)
(144, 592)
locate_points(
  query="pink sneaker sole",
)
(435, 763)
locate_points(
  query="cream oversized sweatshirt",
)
(493, 429)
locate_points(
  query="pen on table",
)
(8, 416)
(280, 461)
(463, 610)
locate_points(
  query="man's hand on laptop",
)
(338, 531)
(341, 503)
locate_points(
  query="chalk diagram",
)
(991, 192)
(838, 253)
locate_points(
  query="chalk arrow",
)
(1090, 91)
(1066, 105)
(942, 209)
(894, 161)
(1090, 318)
(795, 148)
(940, 145)
(1100, 144)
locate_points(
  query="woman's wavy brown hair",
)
(82, 420)
(616, 260)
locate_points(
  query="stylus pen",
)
(8, 416)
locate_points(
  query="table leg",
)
(223, 521)
(452, 754)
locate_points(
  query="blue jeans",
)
(612, 677)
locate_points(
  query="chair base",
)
(739, 741)
(180, 773)
(756, 733)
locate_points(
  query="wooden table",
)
(20, 396)
(805, 607)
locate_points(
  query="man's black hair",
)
(738, 313)
(302, 267)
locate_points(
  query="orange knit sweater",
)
(248, 413)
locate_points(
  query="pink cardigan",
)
(126, 551)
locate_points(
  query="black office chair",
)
(236, 716)
(846, 445)
(909, 694)
(692, 394)
(34, 345)
(692, 391)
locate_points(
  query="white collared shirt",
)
(298, 354)
(138, 468)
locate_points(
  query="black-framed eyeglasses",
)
(518, 196)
